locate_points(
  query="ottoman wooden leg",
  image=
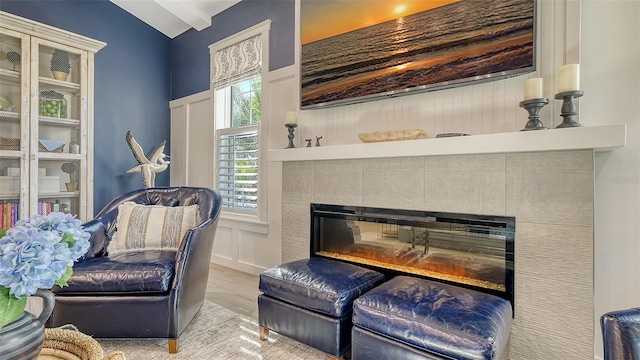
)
(264, 333)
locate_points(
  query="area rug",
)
(216, 333)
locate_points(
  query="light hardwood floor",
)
(234, 290)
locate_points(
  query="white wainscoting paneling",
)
(242, 244)
(192, 140)
(223, 249)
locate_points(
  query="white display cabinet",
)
(46, 120)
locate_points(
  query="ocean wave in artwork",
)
(441, 45)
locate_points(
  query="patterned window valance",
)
(237, 62)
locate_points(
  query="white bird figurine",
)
(147, 167)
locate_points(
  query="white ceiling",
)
(173, 17)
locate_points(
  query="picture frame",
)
(355, 51)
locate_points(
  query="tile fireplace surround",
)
(549, 192)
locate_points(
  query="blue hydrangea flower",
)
(36, 252)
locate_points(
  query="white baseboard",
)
(236, 265)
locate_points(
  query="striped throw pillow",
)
(151, 226)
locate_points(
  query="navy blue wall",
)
(132, 84)
(141, 69)
(190, 50)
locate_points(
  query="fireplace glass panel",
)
(471, 250)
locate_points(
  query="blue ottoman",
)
(412, 318)
(310, 301)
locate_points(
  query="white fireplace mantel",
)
(599, 138)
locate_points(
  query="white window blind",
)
(238, 156)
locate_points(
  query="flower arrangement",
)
(38, 252)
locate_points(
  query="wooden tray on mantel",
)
(392, 135)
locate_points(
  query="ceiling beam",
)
(189, 14)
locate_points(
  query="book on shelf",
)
(8, 214)
(44, 207)
(9, 211)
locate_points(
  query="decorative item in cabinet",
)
(14, 58)
(7, 143)
(55, 146)
(46, 184)
(74, 148)
(60, 65)
(13, 171)
(52, 104)
(5, 104)
(71, 168)
(9, 184)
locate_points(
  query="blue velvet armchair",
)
(144, 293)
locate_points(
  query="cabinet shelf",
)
(45, 120)
(9, 154)
(8, 116)
(10, 74)
(59, 195)
(9, 196)
(59, 85)
(58, 156)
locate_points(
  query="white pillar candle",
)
(533, 89)
(292, 117)
(569, 78)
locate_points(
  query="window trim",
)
(261, 29)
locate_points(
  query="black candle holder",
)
(291, 128)
(533, 107)
(568, 110)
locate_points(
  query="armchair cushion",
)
(151, 226)
(127, 273)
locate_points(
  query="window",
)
(238, 150)
(237, 65)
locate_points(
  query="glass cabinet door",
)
(14, 127)
(46, 120)
(58, 128)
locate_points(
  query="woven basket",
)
(67, 343)
(9, 143)
(14, 144)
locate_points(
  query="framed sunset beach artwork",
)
(360, 50)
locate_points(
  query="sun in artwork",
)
(400, 9)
